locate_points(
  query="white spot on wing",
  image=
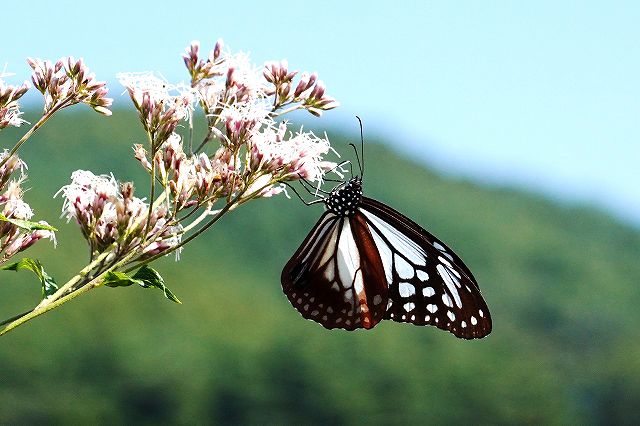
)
(409, 306)
(428, 291)
(450, 267)
(329, 272)
(449, 281)
(422, 275)
(445, 261)
(438, 246)
(432, 308)
(358, 285)
(404, 269)
(348, 296)
(451, 315)
(406, 289)
(447, 301)
(474, 321)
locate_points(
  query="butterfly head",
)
(345, 198)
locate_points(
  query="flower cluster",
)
(10, 114)
(110, 214)
(250, 154)
(309, 92)
(192, 180)
(284, 157)
(241, 102)
(68, 82)
(223, 78)
(160, 106)
(16, 233)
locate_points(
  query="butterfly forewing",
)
(428, 283)
(336, 277)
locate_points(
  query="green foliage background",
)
(561, 282)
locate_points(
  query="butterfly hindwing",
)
(428, 283)
(336, 276)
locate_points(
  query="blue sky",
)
(539, 94)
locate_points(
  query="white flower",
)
(10, 114)
(11, 165)
(178, 96)
(18, 209)
(88, 192)
(145, 82)
(246, 111)
(299, 156)
(244, 72)
(14, 205)
(210, 92)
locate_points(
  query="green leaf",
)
(118, 279)
(27, 224)
(151, 278)
(49, 286)
(145, 277)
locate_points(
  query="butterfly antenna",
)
(351, 166)
(361, 148)
(337, 167)
(304, 182)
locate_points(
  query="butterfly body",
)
(364, 262)
(344, 199)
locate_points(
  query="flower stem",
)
(276, 113)
(32, 130)
(206, 226)
(7, 321)
(59, 298)
(153, 187)
(41, 309)
(76, 279)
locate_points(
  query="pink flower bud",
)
(218, 48)
(230, 80)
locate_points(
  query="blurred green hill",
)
(561, 282)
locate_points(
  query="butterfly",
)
(364, 262)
